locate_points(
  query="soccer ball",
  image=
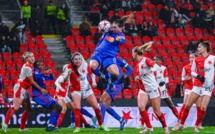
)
(104, 26)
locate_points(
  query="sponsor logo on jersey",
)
(110, 39)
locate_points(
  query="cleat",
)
(179, 128)
(94, 120)
(195, 129)
(122, 124)
(57, 129)
(140, 127)
(102, 127)
(4, 127)
(200, 127)
(185, 126)
(166, 130)
(146, 130)
(77, 129)
(51, 129)
(24, 130)
(89, 126)
(71, 126)
(176, 125)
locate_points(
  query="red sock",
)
(145, 118)
(200, 118)
(180, 112)
(184, 116)
(198, 109)
(24, 118)
(77, 114)
(83, 120)
(99, 116)
(175, 112)
(142, 121)
(60, 119)
(9, 114)
(162, 120)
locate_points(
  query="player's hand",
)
(118, 38)
(201, 78)
(44, 91)
(137, 78)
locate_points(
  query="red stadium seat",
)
(137, 39)
(39, 39)
(79, 39)
(152, 8)
(69, 39)
(159, 7)
(120, 13)
(127, 93)
(198, 32)
(146, 39)
(75, 31)
(110, 14)
(7, 56)
(135, 92)
(189, 31)
(161, 32)
(170, 32)
(119, 95)
(93, 30)
(179, 32)
(97, 93)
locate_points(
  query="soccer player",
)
(110, 94)
(107, 48)
(187, 82)
(61, 95)
(149, 88)
(80, 88)
(203, 71)
(21, 95)
(45, 100)
(162, 79)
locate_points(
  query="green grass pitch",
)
(206, 130)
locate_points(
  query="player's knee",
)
(57, 108)
(203, 108)
(64, 109)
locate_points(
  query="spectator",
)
(191, 47)
(208, 23)
(17, 25)
(152, 29)
(202, 13)
(157, 2)
(126, 29)
(26, 13)
(104, 11)
(164, 12)
(62, 16)
(4, 44)
(196, 5)
(133, 29)
(197, 21)
(21, 36)
(66, 28)
(4, 29)
(143, 29)
(210, 12)
(0, 18)
(170, 3)
(126, 5)
(94, 17)
(114, 5)
(97, 37)
(173, 21)
(136, 5)
(114, 17)
(181, 21)
(50, 14)
(1, 87)
(15, 45)
(36, 28)
(84, 28)
(37, 14)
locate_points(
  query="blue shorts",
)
(104, 60)
(45, 100)
(118, 88)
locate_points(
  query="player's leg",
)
(142, 100)
(27, 106)
(104, 98)
(170, 104)
(198, 108)
(76, 97)
(186, 96)
(95, 62)
(90, 97)
(62, 103)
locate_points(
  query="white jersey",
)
(204, 67)
(148, 81)
(26, 71)
(162, 75)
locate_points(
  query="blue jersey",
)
(108, 46)
(39, 78)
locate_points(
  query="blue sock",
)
(53, 118)
(85, 112)
(103, 110)
(72, 117)
(113, 113)
(97, 72)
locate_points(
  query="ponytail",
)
(139, 49)
(206, 44)
(124, 19)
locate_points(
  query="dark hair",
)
(36, 64)
(73, 65)
(123, 20)
(159, 57)
(206, 44)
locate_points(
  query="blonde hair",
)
(139, 49)
(26, 54)
(124, 19)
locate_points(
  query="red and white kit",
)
(23, 83)
(62, 87)
(80, 84)
(162, 76)
(188, 84)
(148, 82)
(204, 67)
